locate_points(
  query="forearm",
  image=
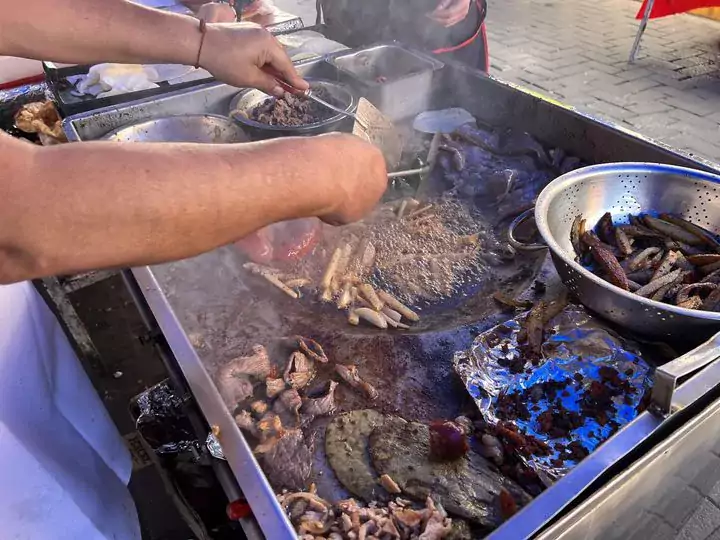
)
(93, 31)
(67, 209)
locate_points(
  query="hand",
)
(217, 13)
(356, 174)
(450, 12)
(235, 54)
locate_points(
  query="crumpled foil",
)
(13, 98)
(213, 446)
(575, 342)
(162, 422)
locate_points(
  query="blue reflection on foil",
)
(574, 343)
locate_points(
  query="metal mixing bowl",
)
(192, 128)
(622, 189)
(243, 103)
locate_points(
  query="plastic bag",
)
(282, 242)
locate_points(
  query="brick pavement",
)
(576, 51)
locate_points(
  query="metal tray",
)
(208, 98)
(398, 81)
(185, 297)
(69, 104)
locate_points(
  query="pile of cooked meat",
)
(273, 407)
(291, 110)
(390, 465)
(665, 258)
(399, 519)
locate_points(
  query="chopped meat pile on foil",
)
(548, 405)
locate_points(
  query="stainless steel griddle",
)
(208, 312)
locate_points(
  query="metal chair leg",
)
(641, 30)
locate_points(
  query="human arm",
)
(214, 12)
(92, 31)
(450, 12)
(77, 207)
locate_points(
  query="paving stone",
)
(647, 525)
(678, 507)
(702, 523)
(708, 476)
(671, 92)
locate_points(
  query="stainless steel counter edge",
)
(531, 519)
(118, 110)
(247, 472)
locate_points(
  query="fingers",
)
(267, 83)
(450, 12)
(217, 13)
(281, 63)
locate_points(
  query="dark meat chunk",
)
(467, 487)
(289, 462)
(346, 447)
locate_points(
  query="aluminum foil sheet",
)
(576, 349)
(13, 98)
(161, 420)
(213, 446)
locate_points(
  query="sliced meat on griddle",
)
(466, 487)
(289, 463)
(346, 447)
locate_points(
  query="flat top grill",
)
(210, 312)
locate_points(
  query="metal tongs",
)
(667, 376)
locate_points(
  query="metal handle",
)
(514, 242)
(666, 376)
(409, 172)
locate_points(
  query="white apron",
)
(64, 468)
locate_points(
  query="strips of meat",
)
(309, 347)
(623, 242)
(654, 286)
(666, 259)
(704, 259)
(255, 365)
(704, 235)
(666, 264)
(673, 231)
(300, 370)
(640, 260)
(234, 378)
(607, 261)
(323, 405)
(350, 375)
(606, 229)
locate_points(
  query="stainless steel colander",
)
(622, 189)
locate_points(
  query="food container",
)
(622, 189)
(193, 128)
(396, 80)
(244, 102)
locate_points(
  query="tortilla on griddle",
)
(467, 487)
(346, 447)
